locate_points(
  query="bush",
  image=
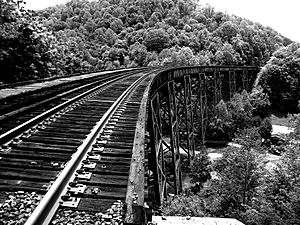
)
(265, 128)
(185, 204)
(260, 102)
(241, 112)
(219, 125)
(200, 171)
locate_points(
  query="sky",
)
(281, 15)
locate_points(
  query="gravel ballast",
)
(113, 216)
(18, 206)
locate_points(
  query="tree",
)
(282, 187)
(226, 55)
(280, 78)
(265, 128)
(240, 110)
(156, 40)
(297, 128)
(220, 123)
(227, 30)
(25, 45)
(260, 102)
(138, 53)
(239, 174)
(100, 35)
(200, 171)
(177, 56)
(117, 25)
(110, 37)
(90, 25)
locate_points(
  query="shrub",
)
(265, 128)
(200, 171)
(260, 102)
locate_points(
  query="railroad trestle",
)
(180, 103)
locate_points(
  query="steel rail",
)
(44, 212)
(91, 81)
(26, 108)
(12, 85)
(48, 100)
(6, 137)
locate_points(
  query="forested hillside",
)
(117, 33)
(84, 36)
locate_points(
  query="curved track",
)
(86, 141)
(17, 109)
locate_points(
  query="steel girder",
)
(232, 83)
(227, 83)
(217, 87)
(157, 176)
(174, 134)
(199, 105)
(164, 139)
(184, 105)
(189, 120)
(165, 163)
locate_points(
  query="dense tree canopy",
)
(242, 111)
(281, 77)
(84, 35)
(25, 45)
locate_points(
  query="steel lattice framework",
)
(178, 111)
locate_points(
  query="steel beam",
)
(217, 87)
(232, 83)
(189, 119)
(174, 139)
(156, 156)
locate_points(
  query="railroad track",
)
(15, 110)
(77, 154)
